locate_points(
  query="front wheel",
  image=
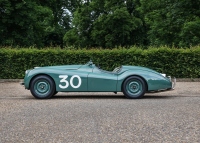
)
(42, 87)
(55, 93)
(134, 87)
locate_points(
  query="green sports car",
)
(133, 81)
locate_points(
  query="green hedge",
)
(181, 63)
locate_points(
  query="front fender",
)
(69, 84)
(30, 74)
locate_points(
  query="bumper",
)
(173, 83)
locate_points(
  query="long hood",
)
(64, 67)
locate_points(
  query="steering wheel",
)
(89, 63)
(98, 66)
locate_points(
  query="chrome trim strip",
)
(174, 83)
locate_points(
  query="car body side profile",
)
(133, 81)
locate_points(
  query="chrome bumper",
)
(173, 82)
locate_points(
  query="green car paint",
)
(154, 80)
(90, 78)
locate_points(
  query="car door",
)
(73, 80)
(99, 80)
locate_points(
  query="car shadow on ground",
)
(106, 97)
(99, 96)
(88, 97)
(158, 97)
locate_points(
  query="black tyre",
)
(55, 92)
(134, 87)
(42, 87)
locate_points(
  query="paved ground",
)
(172, 116)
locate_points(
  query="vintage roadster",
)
(133, 81)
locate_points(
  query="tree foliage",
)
(105, 23)
(23, 22)
(172, 22)
(99, 23)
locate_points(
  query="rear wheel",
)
(134, 87)
(42, 87)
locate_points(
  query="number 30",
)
(64, 80)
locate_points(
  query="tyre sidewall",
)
(44, 78)
(134, 78)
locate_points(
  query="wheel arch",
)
(41, 74)
(136, 76)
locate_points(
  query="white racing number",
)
(66, 83)
(79, 81)
(63, 80)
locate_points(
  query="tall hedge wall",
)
(181, 63)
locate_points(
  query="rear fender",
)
(154, 81)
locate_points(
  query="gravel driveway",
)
(172, 116)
